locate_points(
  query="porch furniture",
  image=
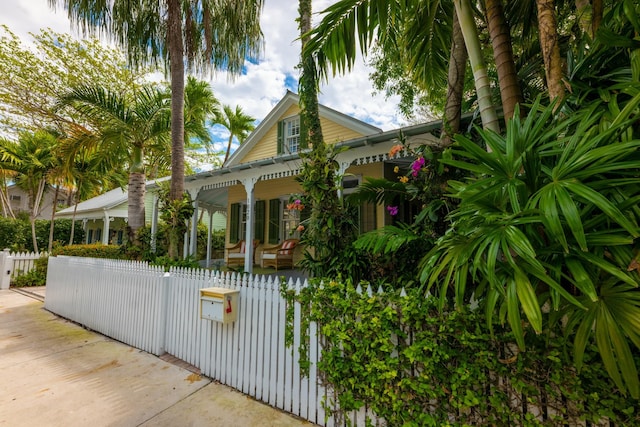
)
(234, 253)
(281, 255)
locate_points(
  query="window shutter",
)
(274, 221)
(304, 133)
(234, 223)
(259, 220)
(281, 137)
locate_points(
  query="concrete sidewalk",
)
(55, 373)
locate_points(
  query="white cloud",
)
(263, 84)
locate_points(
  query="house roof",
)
(276, 113)
(115, 199)
(103, 202)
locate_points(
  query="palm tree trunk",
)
(135, 198)
(510, 92)
(176, 54)
(73, 222)
(483, 88)
(550, 49)
(596, 16)
(36, 202)
(455, 83)
(53, 218)
(308, 85)
(226, 156)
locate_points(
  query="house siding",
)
(267, 147)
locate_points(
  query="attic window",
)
(292, 134)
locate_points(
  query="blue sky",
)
(263, 83)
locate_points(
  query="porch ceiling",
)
(213, 198)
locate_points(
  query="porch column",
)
(84, 227)
(343, 168)
(249, 184)
(194, 229)
(154, 224)
(105, 233)
(208, 262)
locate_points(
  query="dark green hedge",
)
(15, 234)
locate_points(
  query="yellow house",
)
(256, 183)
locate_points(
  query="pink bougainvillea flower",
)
(417, 165)
(395, 150)
(393, 210)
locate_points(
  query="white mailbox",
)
(219, 304)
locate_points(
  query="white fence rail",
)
(13, 264)
(142, 306)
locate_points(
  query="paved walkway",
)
(55, 373)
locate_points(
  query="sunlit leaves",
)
(551, 218)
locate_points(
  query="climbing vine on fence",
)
(414, 365)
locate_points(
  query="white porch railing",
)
(13, 264)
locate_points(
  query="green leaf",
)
(528, 300)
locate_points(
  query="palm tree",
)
(549, 42)
(308, 84)
(200, 104)
(239, 125)
(124, 128)
(348, 23)
(31, 159)
(503, 57)
(200, 35)
(90, 172)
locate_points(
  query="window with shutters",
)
(291, 136)
(274, 221)
(238, 221)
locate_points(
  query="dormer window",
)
(290, 138)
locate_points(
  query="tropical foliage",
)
(411, 363)
(202, 34)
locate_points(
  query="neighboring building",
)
(19, 201)
(256, 183)
(104, 217)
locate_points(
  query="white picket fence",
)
(13, 264)
(158, 312)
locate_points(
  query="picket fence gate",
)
(15, 264)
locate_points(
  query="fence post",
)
(163, 318)
(6, 262)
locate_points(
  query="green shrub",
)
(92, 251)
(15, 234)
(413, 364)
(34, 277)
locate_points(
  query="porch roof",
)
(211, 187)
(104, 202)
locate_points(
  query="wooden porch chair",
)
(234, 253)
(279, 256)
